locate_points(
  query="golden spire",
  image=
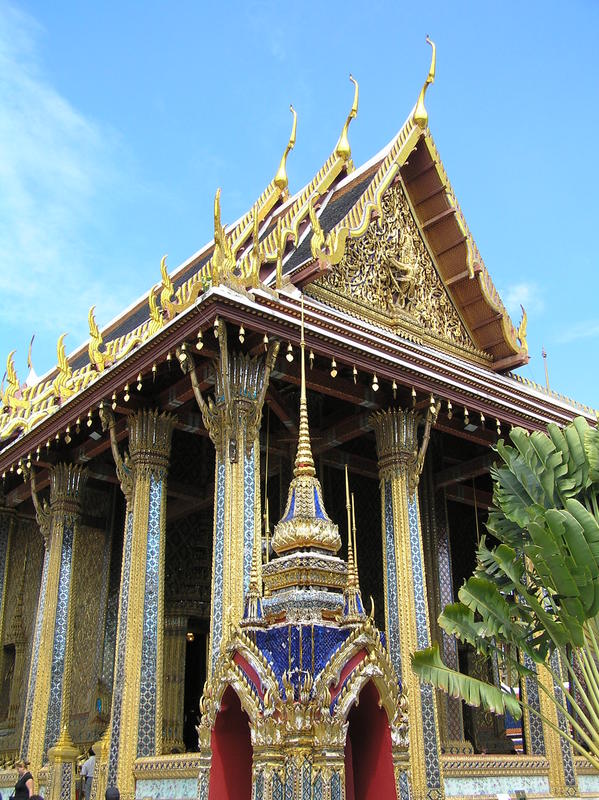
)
(304, 463)
(420, 112)
(343, 149)
(305, 523)
(280, 179)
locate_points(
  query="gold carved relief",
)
(389, 273)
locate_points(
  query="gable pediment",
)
(388, 275)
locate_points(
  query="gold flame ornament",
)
(420, 112)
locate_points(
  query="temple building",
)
(230, 517)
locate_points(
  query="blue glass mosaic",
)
(146, 732)
(119, 672)
(536, 745)
(280, 646)
(35, 649)
(249, 504)
(291, 511)
(217, 578)
(277, 788)
(306, 781)
(429, 724)
(567, 757)
(336, 786)
(290, 779)
(60, 638)
(392, 601)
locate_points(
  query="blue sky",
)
(118, 121)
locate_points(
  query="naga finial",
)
(168, 288)
(96, 356)
(256, 252)
(343, 149)
(280, 179)
(62, 382)
(156, 321)
(12, 395)
(522, 330)
(223, 261)
(318, 240)
(420, 112)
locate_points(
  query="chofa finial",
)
(420, 112)
(343, 149)
(280, 180)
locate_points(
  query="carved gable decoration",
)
(388, 275)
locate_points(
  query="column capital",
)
(67, 482)
(396, 432)
(150, 434)
(240, 387)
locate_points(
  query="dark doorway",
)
(195, 677)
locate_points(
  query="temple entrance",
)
(368, 763)
(231, 769)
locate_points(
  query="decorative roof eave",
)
(331, 332)
(488, 314)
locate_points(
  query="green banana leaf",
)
(429, 667)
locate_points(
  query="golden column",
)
(406, 611)
(233, 421)
(562, 775)
(48, 697)
(7, 526)
(173, 692)
(136, 718)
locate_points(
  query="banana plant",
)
(535, 589)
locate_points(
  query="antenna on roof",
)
(420, 112)
(544, 354)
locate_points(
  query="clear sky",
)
(118, 121)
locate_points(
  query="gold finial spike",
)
(304, 462)
(348, 509)
(343, 149)
(420, 112)
(355, 554)
(350, 549)
(280, 180)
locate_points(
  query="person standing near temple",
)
(24, 785)
(87, 773)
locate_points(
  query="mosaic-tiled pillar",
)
(328, 776)
(440, 575)
(406, 612)
(48, 692)
(173, 691)
(136, 718)
(7, 524)
(233, 422)
(562, 775)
